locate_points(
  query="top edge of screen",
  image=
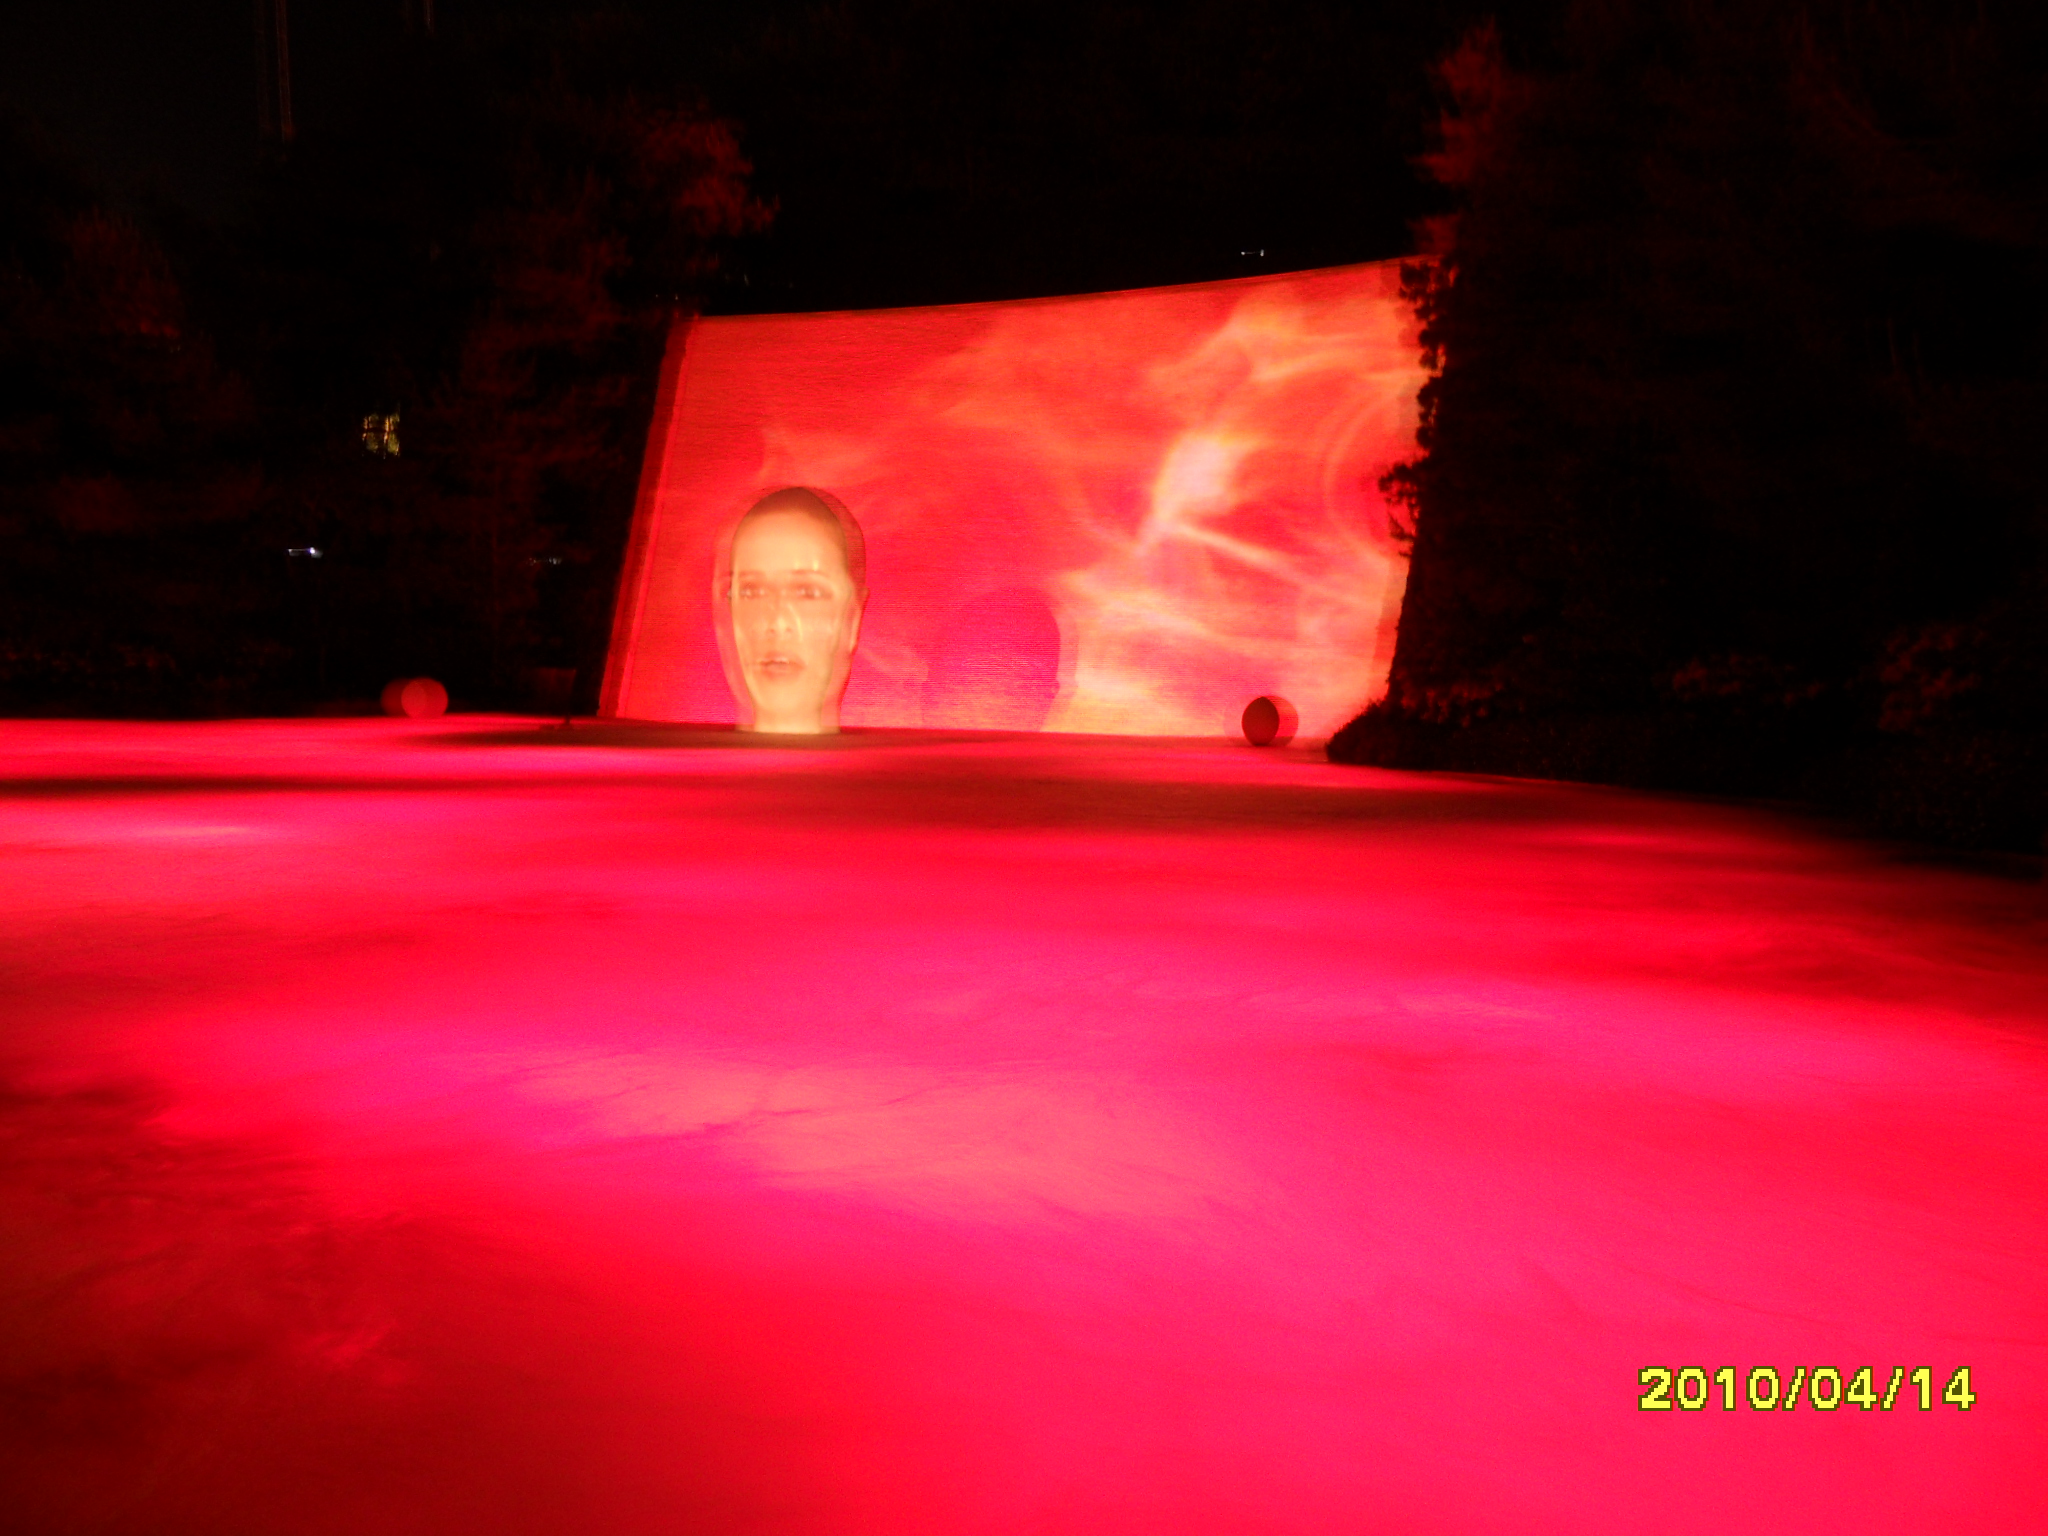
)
(1081, 295)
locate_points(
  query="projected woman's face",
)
(795, 619)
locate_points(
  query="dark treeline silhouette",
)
(1734, 476)
(129, 477)
(484, 256)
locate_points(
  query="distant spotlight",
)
(304, 552)
(415, 698)
(1269, 721)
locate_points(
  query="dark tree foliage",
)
(1732, 476)
(490, 250)
(126, 480)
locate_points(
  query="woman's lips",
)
(780, 666)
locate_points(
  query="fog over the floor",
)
(460, 1127)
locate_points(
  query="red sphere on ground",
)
(1269, 721)
(423, 699)
(415, 698)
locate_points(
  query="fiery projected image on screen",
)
(1126, 512)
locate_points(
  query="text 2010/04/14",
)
(1690, 1389)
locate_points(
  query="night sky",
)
(154, 98)
(916, 152)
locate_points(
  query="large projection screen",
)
(1121, 512)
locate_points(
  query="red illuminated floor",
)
(412, 1128)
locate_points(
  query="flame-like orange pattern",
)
(1125, 512)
